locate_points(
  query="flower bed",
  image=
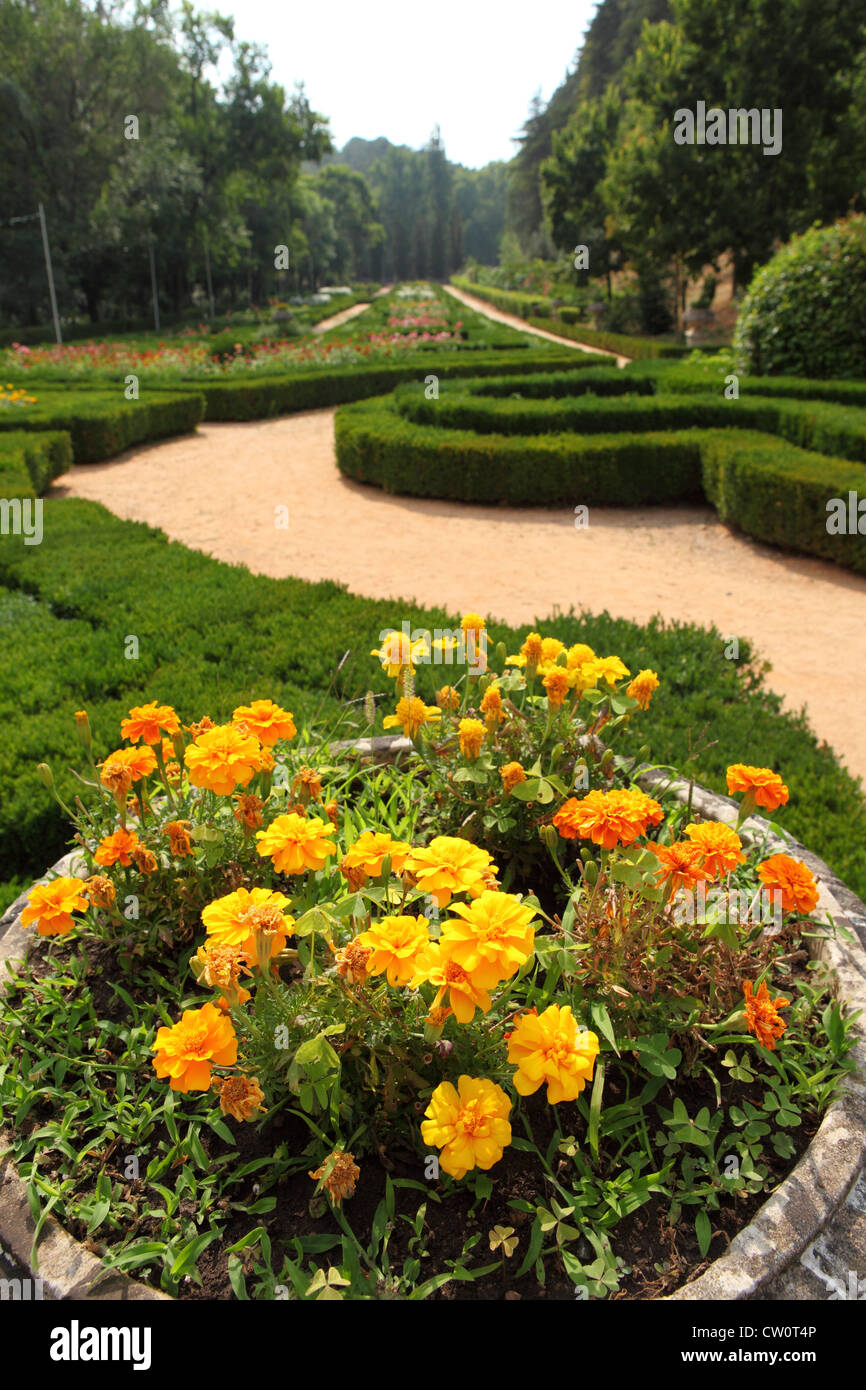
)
(490, 1018)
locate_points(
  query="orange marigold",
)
(116, 849)
(512, 775)
(364, 859)
(296, 844)
(793, 879)
(146, 721)
(395, 943)
(51, 905)
(338, 1175)
(222, 759)
(764, 786)
(720, 845)
(472, 734)
(608, 818)
(762, 1017)
(557, 683)
(492, 707)
(125, 766)
(266, 721)
(642, 687)
(448, 698)
(681, 865)
(186, 1052)
(450, 865)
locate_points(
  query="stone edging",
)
(791, 1218)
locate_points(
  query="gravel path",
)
(500, 316)
(216, 491)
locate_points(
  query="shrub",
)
(805, 310)
(103, 423)
(35, 458)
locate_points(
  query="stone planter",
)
(801, 1211)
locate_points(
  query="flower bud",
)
(549, 838)
(590, 872)
(643, 753)
(501, 654)
(178, 745)
(370, 707)
(46, 775)
(82, 725)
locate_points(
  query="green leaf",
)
(704, 1232)
(601, 1018)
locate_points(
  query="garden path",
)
(805, 616)
(500, 316)
(344, 316)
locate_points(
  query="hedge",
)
(213, 635)
(102, 423)
(34, 459)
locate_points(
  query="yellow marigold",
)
(353, 962)
(579, 655)
(472, 622)
(762, 1017)
(399, 654)
(51, 905)
(465, 994)
(296, 844)
(472, 734)
(550, 649)
(468, 1123)
(220, 966)
(178, 837)
(551, 1048)
(448, 698)
(240, 1096)
(720, 845)
(365, 857)
(101, 892)
(234, 919)
(765, 787)
(642, 687)
(248, 810)
(512, 774)
(145, 860)
(396, 943)
(450, 865)
(411, 714)
(186, 1052)
(793, 879)
(605, 668)
(681, 865)
(125, 766)
(146, 721)
(338, 1175)
(556, 683)
(266, 721)
(492, 707)
(531, 649)
(490, 938)
(307, 786)
(116, 848)
(222, 759)
(608, 818)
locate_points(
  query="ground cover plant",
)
(533, 1047)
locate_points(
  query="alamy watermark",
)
(736, 126)
(22, 516)
(445, 646)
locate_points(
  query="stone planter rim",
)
(788, 1221)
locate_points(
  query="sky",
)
(394, 68)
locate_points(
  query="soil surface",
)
(216, 491)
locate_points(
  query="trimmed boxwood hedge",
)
(103, 423)
(30, 462)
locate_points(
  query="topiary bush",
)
(805, 312)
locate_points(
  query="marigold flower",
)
(353, 962)
(512, 774)
(51, 905)
(766, 787)
(472, 734)
(448, 698)
(145, 860)
(116, 848)
(762, 1017)
(642, 687)
(557, 683)
(266, 721)
(204, 725)
(604, 668)
(332, 811)
(220, 966)
(490, 938)
(464, 993)
(101, 892)
(793, 879)
(342, 1177)
(450, 865)
(240, 1096)
(145, 721)
(178, 837)
(364, 859)
(396, 943)
(468, 1123)
(248, 810)
(186, 1052)
(579, 655)
(550, 649)
(411, 714)
(307, 786)
(437, 1016)
(720, 845)
(125, 766)
(222, 759)
(234, 919)
(399, 654)
(472, 622)
(608, 818)
(296, 843)
(681, 865)
(531, 649)
(550, 1047)
(492, 707)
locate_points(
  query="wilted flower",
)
(178, 837)
(240, 1096)
(338, 1175)
(248, 810)
(101, 892)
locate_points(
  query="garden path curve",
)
(500, 316)
(216, 491)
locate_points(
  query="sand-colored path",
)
(216, 491)
(324, 325)
(500, 316)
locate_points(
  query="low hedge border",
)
(29, 462)
(758, 482)
(103, 423)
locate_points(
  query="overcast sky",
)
(394, 68)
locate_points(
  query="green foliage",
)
(103, 423)
(805, 309)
